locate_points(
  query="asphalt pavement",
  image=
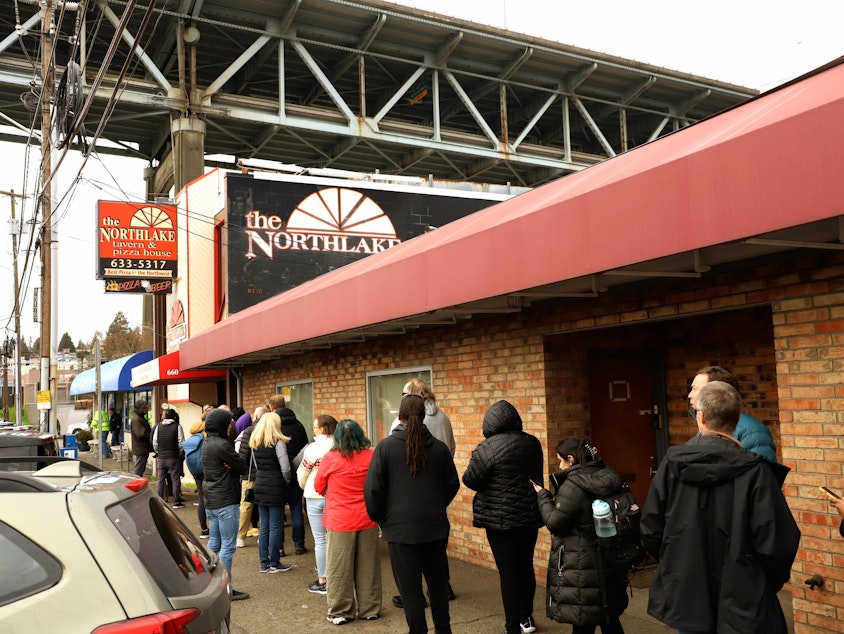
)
(281, 603)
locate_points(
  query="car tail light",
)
(138, 484)
(174, 622)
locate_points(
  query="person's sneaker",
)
(282, 554)
(178, 505)
(253, 532)
(338, 620)
(239, 596)
(279, 568)
(451, 596)
(203, 534)
(372, 617)
(317, 588)
(264, 568)
(300, 550)
(241, 543)
(528, 625)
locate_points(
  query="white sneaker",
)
(241, 543)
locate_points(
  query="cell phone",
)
(830, 493)
(534, 482)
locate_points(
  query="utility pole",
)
(15, 231)
(47, 89)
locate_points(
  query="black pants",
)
(513, 553)
(410, 562)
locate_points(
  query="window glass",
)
(300, 398)
(34, 569)
(165, 546)
(383, 394)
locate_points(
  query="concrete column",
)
(188, 135)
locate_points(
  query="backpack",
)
(193, 454)
(624, 551)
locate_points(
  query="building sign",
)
(156, 287)
(281, 234)
(136, 241)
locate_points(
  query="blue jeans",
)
(271, 525)
(104, 448)
(297, 520)
(316, 507)
(222, 529)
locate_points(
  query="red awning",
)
(772, 163)
(165, 371)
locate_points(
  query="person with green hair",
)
(353, 565)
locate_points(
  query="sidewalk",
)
(281, 602)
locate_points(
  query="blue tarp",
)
(115, 376)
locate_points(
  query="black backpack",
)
(624, 551)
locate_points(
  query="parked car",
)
(97, 552)
(21, 440)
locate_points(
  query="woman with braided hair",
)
(411, 482)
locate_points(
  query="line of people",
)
(715, 512)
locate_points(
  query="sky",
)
(751, 43)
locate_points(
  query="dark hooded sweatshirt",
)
(221, 464)
(718, 523)
(500, 470)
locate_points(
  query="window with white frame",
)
(299, 396)
(383, 395)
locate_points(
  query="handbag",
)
(249, 495)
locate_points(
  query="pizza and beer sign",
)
(137, 246)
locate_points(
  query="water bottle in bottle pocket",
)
(604, 520)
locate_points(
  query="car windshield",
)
(165, 546)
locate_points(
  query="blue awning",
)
(115, 376)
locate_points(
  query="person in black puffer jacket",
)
(294, 430)
(580, 591)
(269, 450)
(222, 467)
(501, 470)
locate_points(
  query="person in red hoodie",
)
(354, 569)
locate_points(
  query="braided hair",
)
(412, 413)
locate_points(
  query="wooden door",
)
(624, 420)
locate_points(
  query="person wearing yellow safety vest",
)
(100, 423)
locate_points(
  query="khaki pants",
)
(354, 574)
(245, 509)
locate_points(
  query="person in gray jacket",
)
(501, 470)
(436, 420)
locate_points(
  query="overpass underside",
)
(332, 84)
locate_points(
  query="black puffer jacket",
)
(220, 462)
(272, 476)
(501, 469)
(577, 587)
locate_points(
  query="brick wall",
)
(779, 326)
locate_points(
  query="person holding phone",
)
(581, 590)
(838, 502)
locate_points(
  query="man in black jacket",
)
(222, 468)
(294, 430)
(718, 523)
